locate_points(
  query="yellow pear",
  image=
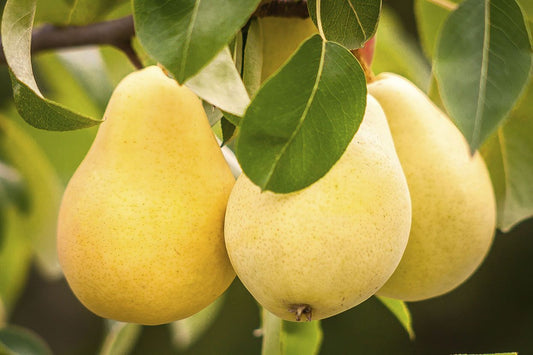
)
(451, 192)
(140, 232)
(281, 37)
(319, 251)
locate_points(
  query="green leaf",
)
(228, 130)
(44, 189)
(23, 341)
(429, 19)
(188, 331)
(482, 63)
(508, 154)
(397, 52)
(401, 312)
(303, 118)
(235, 48)
(13, 188)
(15, 258)
(185, 35)
(220, 84)
(282, 337)
(83, 12)
(121, 338)
(253, 58)
(64, 150)
(212, 112)
(38, 111)
(348, 22)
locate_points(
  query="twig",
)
(445, 4)
(283, 8)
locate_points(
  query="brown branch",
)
(119, 33)
(283, 8)
(116, 33)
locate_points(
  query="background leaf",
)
(348, 22)
(44, 189)
(17, 24)
(288, 139)
(185, 35)
(12, 188)
(484, 47)
(429, 19)
(396, 51)
(400, 310)
(253, 58)
(15, 258)
(120, 338)
(220, 84)
(23, 341)
(508, 154)
(282, 337)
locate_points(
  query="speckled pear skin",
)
(281, 37)
(454, 212)
(331, 245)
(140, 231)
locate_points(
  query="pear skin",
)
(140, 231)
(454, 211)
(319, 251)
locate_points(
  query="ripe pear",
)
(281, 37)
(451, 192)
(319, 251)
(140, 231)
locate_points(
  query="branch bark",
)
(116, 33)
(119, 33)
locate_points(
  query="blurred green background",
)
(489, 313)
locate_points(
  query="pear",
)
(451, 192)
(140, 230)
(281, 37)
(319, 251)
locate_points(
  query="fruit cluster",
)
(153, 226)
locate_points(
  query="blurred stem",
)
(445, 4)
(369, 74)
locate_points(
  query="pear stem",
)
(369, 74)
(301, 309)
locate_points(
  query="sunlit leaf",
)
(185, 35)
(348, 22)
(482, 63)
(303, 118)
(17, 24)
(220, 84)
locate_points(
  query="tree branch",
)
(116, 33)
(119, 33)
